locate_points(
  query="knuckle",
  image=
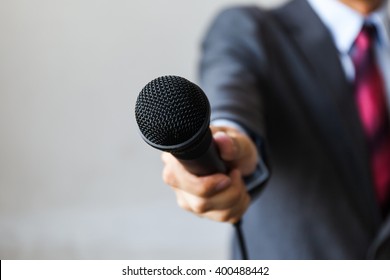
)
(164, 157)
(202, 190)
(203, 187)
(182, 204)
(168, 176)
(233, 220)
(235, 194)
(200, 206)
(230, 218)
(224, 217)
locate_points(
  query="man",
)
(299, 99)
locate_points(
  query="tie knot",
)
(363, 46)
(365, 38)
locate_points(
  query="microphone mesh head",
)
(170, 110)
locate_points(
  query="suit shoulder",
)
(243, 11)
(239, 17)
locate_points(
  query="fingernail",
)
(223, 184)
(224, 139)
(220, 134)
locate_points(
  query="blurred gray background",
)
(76, 180)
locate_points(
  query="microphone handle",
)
(206, 164)
(202, 157)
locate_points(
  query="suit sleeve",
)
(233, 67)
(232, 73)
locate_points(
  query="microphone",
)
(173, 115)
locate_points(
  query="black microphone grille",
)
(170, 110)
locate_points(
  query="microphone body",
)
(173, 115)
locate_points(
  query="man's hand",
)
(220, 197)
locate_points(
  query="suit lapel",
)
(341, 130)
(380, 248)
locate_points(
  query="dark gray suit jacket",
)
(278, 74)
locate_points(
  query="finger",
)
(229, 197)
(169, 177)
(175, 175)
(166, 157)
(224, 205)
(181, 199)
(233, 214)
(204, 187)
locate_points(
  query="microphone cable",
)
(241, 240)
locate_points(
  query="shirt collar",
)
(381, 19)
(345, 23)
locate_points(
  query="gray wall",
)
(76, 180)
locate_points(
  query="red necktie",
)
(371, 102)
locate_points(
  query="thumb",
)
(228, 148)
(237, 149)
